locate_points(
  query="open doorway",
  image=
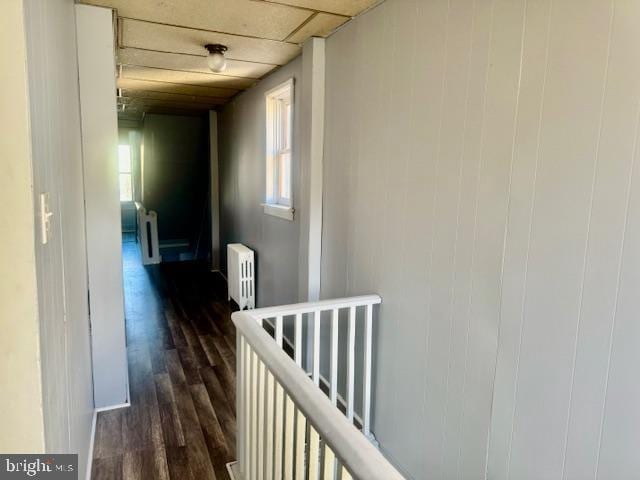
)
(128, 180)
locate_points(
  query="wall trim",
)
(113, 407)
(233, 468)
(280, 211)
(92, 439)
(214, 190)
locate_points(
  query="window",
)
(279, 103)
(124, 168)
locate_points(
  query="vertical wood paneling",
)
(620, 430)
(523, 179)
(560, 226)
(601, 286)
(400, 25)
(478, 176)
(446, 215)
(493, 185)
(456, 419)
(424, 162)
(431, 35)
(379, 164)
(61, 267)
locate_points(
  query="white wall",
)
(567, 400)
(478, 174)
(56, 166)
(21, 414)
(102, 198)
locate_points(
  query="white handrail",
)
(308, 307)
(352, 449)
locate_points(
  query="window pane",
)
(124, 158)
(283, 125)
(279, 126)
(287, 125)
(126, 190)
(279, 140)
(284, 179)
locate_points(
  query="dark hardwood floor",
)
(181, 349)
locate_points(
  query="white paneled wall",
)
(61, 266)
(478, 175)
(565, 401)
(98, 109)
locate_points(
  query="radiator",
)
(240, 271)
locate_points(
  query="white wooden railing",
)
(288, 427)
(148, 235)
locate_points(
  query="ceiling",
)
(161, 57)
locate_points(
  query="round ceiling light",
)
(216, 60)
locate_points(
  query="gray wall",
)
(241, 157)
(61, 264)
(175, 175)
(478, 174)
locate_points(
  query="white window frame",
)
(279, 150)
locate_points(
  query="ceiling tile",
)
(349, 8)
(319, 26)
(192, 63)
(131, 83)
(189, 78)
(242, 17)
(165, 38)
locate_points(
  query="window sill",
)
(279, 211)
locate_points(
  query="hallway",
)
(181, 351)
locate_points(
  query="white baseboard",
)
(113, 407)
(234, 473)
(91, 443)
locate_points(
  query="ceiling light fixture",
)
(216, 60)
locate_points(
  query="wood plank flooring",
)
(181, 348)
